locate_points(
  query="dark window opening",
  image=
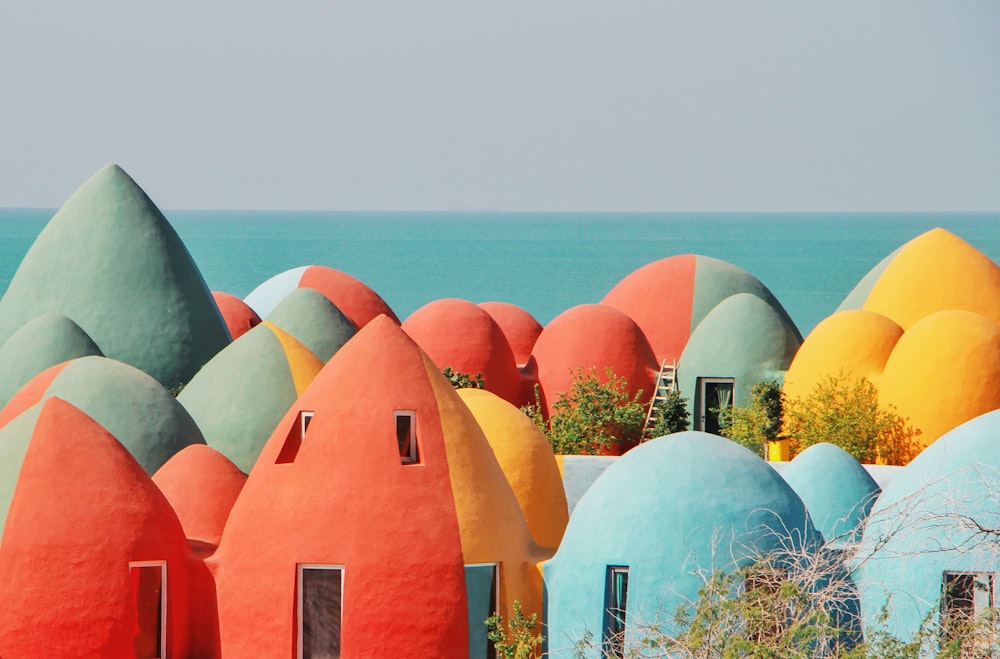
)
(967, 596)
(615, 604)
(406, 437)
(714, 398)
(295, 437)
(149, 595)
(761, 588)
(482, 595)
(320, 611)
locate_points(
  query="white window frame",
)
(703, 404)
(299, 593)
(414, 456)
(305, 417)
(163, 598)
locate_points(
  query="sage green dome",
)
(109, 260)
(316, 322)
(241, 394)
(47, 340)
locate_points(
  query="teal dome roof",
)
(47, 340)
(671, 506)
(109, 260)
(316, 322)
(930, 520)
(836, 489)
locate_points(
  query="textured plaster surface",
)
(110, 261)
(269, 293)
(236, 313)
(314, 321)
(519, 326)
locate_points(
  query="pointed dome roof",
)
(354, 298)
(316, 322)
(239, 396)
(461, 335)
(47, 340)
(527, 461)
(134, 407)
(237, 314)
(519, 326)
(109, 260)
(592, 336)
(670, 297)
(201, 485)
(84, 504)
(450, 507)
(936, 271)
(836, 489)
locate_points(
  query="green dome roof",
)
(316, 322)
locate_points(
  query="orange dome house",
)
(592, 336)
(527, 461)
(519, 326)
(376, 503)
(353, 297)
(463, 336)
(670, 297)
(935, 271)
(93, 562)
(239, 317)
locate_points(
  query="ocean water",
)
(543, 262)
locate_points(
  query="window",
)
(296, 435)
(761, 590)
(713, 396)
(406, 436)
(615, 603)
(482, 591)
(320, 609)
(149, 593)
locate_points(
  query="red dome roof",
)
(462, 335)
(519, 326)
(353, 297)
(201, 485)
(238, 315)
(592, 336)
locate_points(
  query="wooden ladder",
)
(665, 383)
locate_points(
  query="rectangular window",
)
(713, 397)
(406, 436)
(293, 440)
(761, 588)
(304, 419)
(965, 598)
(149, 593)
(615, 604)
(320, 609)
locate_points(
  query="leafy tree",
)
(847, 413)
(757, 423)
(461, 380)
(517, 639)
(592, 416)
(672, 415)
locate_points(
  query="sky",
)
(561, 105)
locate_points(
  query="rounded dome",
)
(937, 374)
(744, 338)
(355, 299)
(239, 317)
(316, 322)
(836, 489)
(666, 509)
(920, 527)
(201, 485)
(526, 460)
(47, 340)
(670, 297)
(461, 335)
(592, 336)
(936, 271)
(134, 407)
(857, 343)
(519, 326)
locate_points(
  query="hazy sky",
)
(547, 105)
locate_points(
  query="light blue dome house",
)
(665, 510)
(928, 548)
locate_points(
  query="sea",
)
(542, 262)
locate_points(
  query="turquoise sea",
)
(544, 262)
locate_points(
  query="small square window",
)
(406, 436)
